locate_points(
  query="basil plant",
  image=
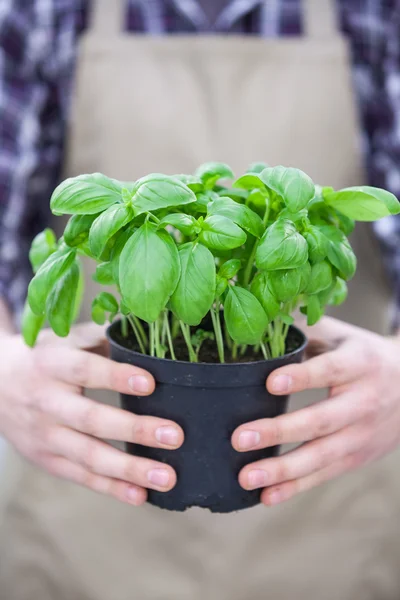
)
(178, 249)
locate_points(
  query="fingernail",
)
(275, 497)
(159, 477)
(257, 479)
(281, 384)
(167, 436)
(249, 439)
(133, 495)
(139, 383)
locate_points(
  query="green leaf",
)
(44, 244)
(185, 223)
(363, 203)
(106, 225)
(317, 244)
(195, 292)
(61, 302)
(115, 254)
(220, 233)
(160, 191)
(281, 247)
(286, 285)
(230, 268)
(80, 290)
(104, 274)
(245, 318)
(149, 271)
(85, 195)
(240, 214)
(234, 194)
(104, 303)
(340, 253)
(287, 319)
(261, 289)
(339, 293)
(77, 229)
(305, 274)
(314, 310)
(320, 279)
(257, 167)
(31, 325)
(295, 187)
(250, 181)
(211, 172)
(46, 277)
(221, 285)
(193, 183)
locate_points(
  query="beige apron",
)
(167, 104)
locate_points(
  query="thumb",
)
(85, 336)
(324, 336)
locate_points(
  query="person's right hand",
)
(45, 416)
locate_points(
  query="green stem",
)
(159, 352)
(264, 350)
(228, 339)
(152, 339)
(124, 326)
(169, 337)
(141, 330)
(218, 332)
(234, 351)
(186, 335)
(137, 334)
(249, 266)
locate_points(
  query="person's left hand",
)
(358, 423)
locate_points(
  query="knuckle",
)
(80, 370)
(91, 419)
(320, 425)
(90, 457)
(276, 433)
(139, 430)
(282, 471)
(332, 370)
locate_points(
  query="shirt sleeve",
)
(374, 33)
(37, 44)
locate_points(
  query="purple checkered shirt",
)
(38, 41)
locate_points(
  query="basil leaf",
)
(286, 285)
(104, 303)
(77, 229)
(230, 268)
(314, 310)
(159, 191)
(115, 254)
(320, 279)
(193, 183)
(305, 274)
(104, 274)
(281, 247)
(245, 318)
(31, 325)
(363, 203)
(61, 302)
(317, 244)
(221, 285)
(85, 195)
(257, 167)
(261, 289)
(240, 214)
(250, 181)
(234, 194)
(43, 245)
(149, 271)
(185, 223)
(339, 293)
(211, 172)
(340, 253)
(195, 292)
(202, 202)
(220, 233)
(295, 187)
(46, 277)
(106, 225)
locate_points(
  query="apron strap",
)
(107, 16)
(320, 18)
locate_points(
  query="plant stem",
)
(186, 335)
(218, 332)
(264, 350)
(228, 339)
(152, 340)
(234, 351)
(249, 266)
(141, 330)
(169, 338)
(137, 334)
(124, 326)
(159, 352)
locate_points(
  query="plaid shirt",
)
(37, 50)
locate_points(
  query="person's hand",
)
(45, 416)
(358, 423)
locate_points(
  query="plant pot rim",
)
(201, 365)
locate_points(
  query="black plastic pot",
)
(209, 401)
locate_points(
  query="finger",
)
(102, 459)
(343, 365)
(309, 458)
(107, 422)
(84, 336)
(312, 422)
(121, 490)
(87, 370)
(281, 493)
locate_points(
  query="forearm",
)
(6, 320)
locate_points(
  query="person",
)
(285, 101)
